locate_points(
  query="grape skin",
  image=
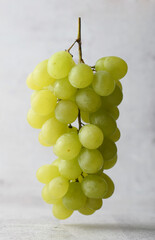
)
(103, 84)
(90, 161)
(81, 76)
(74, 198)
(66, 111)
(67, 146)
(87, 100)
(91, 136)
(94, 186)
(60, 64)
(116, 66)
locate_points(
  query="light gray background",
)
(31, 31)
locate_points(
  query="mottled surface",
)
(30, 32)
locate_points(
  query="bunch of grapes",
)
(63, 92)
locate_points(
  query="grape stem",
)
(78, 40)
(80, 60)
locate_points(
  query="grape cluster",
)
(63, 92)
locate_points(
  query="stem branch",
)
(80, 60)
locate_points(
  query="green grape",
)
(67, 146)
(47, 172)
(52, 129)
(74, 198)
(114, 99)
(91, 136)
(103, 84)
(119, 84)
(101, 170)
(60, 64)
(61, 212)
(34, 94)
(73, 98)
(104, 121)
(87, 100)
(90, 161)
(72, 129)
(47, 197)
(116, 66)
(111, 186)
(114, 112)
(86, 211)
(94, 186)
(63, 89)
(108, 149)
(81, 76)
(41, 77)
(35, 120)
(44, 102)
(30, 82)
(116, 135)
(109, 163)
(94, 203)
(85, 116)
(50, 88)
(70, 169)
(58, 187)
(42, 141)
(66, 111)
(56, 162)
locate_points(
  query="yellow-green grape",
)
(73, 98)
(109, 163)
(74, 198)
(66, 111)
(44, 102)
(34, 94)
(119, 84)
(58, 187)
(63, 89)
(91, 136)
(72, 129)
(60, 64)
(116, 66)
(103, 84)
(108, 149)
(56, 162)
(85, 116)
(49, 87)
(114, 112)
(94, 203)
(70, 169)
(94, 186)
(67, 146)
(114, 99)
(81, 76)
(41, 77)
(87, 100)
(47, 172)
(52, 129)
(116, 135)
(111, 186)
(36, 120)
(30, 82)
(86, 211)
(104, 121)
(42, 141)
(90, 161)
(47, 197)
(61, 212)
